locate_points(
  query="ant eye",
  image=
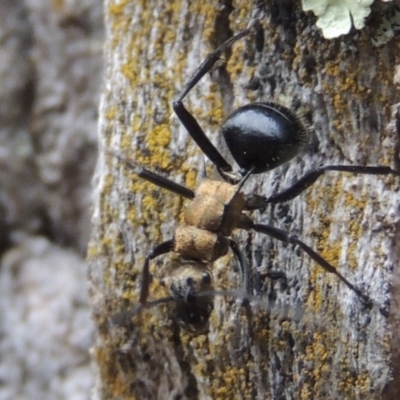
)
(162, 282)
(189, 281)
(206, 278)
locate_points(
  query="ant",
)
(260, 137)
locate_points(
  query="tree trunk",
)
(308, 335)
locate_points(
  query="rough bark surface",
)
(309, 336)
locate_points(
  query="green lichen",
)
(335, 17)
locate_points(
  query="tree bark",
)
(308, 336)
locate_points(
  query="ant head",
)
(264, 136)
(184, 284)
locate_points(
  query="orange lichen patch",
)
(190, 179)
(346, 80)
(316, 299)
(346, 86)
(92, 250)
(209, 11)
(112, 379)
(129, 71)
(57, 4)
(159, 328)
(351, 259)
(349, 382)
(156, 288)
(150, 197)
(201, 343)
(211, 364)
(242, 10)
(237, 67)
(353, 204)
(222, 269)
(214, 115)
(323, 207)
(261, 327)
(331, 252)
(111, 113)
(316, 354)
(158, 140)
(117, 9)
(230, 382)
(129, 295)
(120, 20)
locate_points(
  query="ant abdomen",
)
(264, 136)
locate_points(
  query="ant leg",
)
(239, 186)
(287, 238)
(124, 318)
(244, 179)
(259, 202)
(244, 267)
(162, 248)
(187, 119)
(154, 178)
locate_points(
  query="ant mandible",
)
(260, 137)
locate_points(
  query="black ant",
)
(260, 137)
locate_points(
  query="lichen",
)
(335, 17)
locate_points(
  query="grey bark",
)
(309, 335)
(50, 69)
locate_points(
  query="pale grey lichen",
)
(335, 16)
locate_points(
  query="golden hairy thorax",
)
(209, 220)
(217, 207)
